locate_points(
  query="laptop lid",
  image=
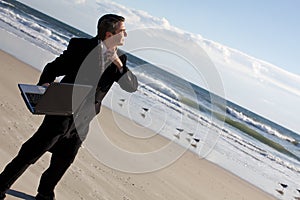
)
(27, 90)
(58, 98)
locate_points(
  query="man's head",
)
(112, 25)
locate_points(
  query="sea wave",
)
(6, 3)
(249, 148)
(158, 85)
(209, 121)
(38, 32)
(184, 107)
(263, 127)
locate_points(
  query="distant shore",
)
(188, 178)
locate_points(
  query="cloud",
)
(134, 18)
(80, 1)
(259, 70)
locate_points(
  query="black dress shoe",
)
(2, 195)
(40, 196)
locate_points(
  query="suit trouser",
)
(51, 136)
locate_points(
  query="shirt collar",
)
(104, 48)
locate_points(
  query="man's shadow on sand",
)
(20, 195)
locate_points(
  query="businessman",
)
(95, 61)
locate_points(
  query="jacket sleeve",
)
(59, 66)
(127, 80)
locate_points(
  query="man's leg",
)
(30, 152)
(63, 155)
(52, 175)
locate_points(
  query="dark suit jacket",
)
(80, 64)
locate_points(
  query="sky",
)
(268, 30)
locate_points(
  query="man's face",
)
(120, 34)
(117, 38)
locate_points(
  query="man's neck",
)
(103, 46)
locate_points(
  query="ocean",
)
(248, 145)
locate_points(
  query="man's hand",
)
(113, 57)
(46, 84)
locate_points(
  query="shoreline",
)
(187, 178)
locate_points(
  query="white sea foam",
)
(261, 126)
(37, 32)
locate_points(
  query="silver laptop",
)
(56, 99)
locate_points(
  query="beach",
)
(189, 177)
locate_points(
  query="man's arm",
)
(58, 67)
(128, 80)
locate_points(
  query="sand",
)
(189, 177)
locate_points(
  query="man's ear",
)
(108, 35)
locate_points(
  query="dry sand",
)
(187, 178)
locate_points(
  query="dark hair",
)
(108, 23)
